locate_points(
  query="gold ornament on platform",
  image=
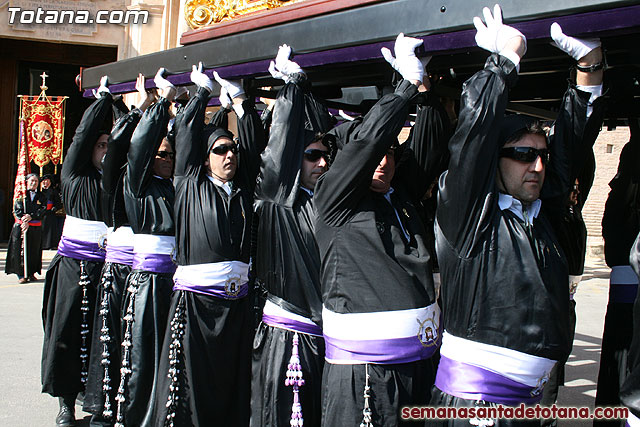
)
(203, 13)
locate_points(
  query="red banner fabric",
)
(43, 128)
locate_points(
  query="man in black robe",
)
(50, 228)
(620, 223)
(505, 287)
(73, 275)
(28, 213)
(104, 361)
(148, 198)
(205, 361)
(380, 319)
(287, 261)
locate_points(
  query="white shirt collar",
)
(226, 186)
(507, 202)
(309, 192)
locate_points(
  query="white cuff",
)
(239, 110)
(513, 57)
(596, 92)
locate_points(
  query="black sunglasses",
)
(223, 149)
(526, 154)
(164, 154)
(313, 155)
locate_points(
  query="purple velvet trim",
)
(155, 263)
(120, 255)
(577, 24)
(474, 383)
(80, 250)
(383, 351)
(294, 325)
(623, 293)
(214, 291)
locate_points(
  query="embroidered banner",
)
(43, 118)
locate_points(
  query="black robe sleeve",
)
(190, 151)
(425, 155)
(80, 180)
(466, 186)
(252, 142)
(349, 178)
(149, 199)
(279, 172)
(145, 141)
(115, 159)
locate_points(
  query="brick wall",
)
(607, 152)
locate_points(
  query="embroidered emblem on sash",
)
(428, 331)
(232, 286)
(380, 226)
(542, 381)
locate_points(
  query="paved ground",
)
(22, 404)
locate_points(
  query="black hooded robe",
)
(288, 266)
(104, 362)
(212, 333)
(67, 308)
(375, 265)
(504, 282)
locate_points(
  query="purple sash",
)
(293, 325)
(154, 263)
(227, 291)
(383, 351)
(83, 251)
(120, 255)
(474, 383)
(623, 293)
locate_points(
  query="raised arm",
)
(190, 153)
(340, 189)
(425, 155)
(569, 145)
(78, 157)
(282, 159)
(250, 131)
(468, 191)
(147, 137)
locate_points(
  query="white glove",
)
(275, 73)
(283, 68)
(225, 100)
(495, 35)
(576, 48)
(232, 87)
(284, 64)
(160, 81)
(200, 78)
(405, 62)
(103, 87)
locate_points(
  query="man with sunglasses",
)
(504, 277)
(380, 319)
(205, 366)
(289, 338)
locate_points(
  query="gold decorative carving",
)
(204, 13)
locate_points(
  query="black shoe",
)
(66, 417)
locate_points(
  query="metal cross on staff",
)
(44, 76)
